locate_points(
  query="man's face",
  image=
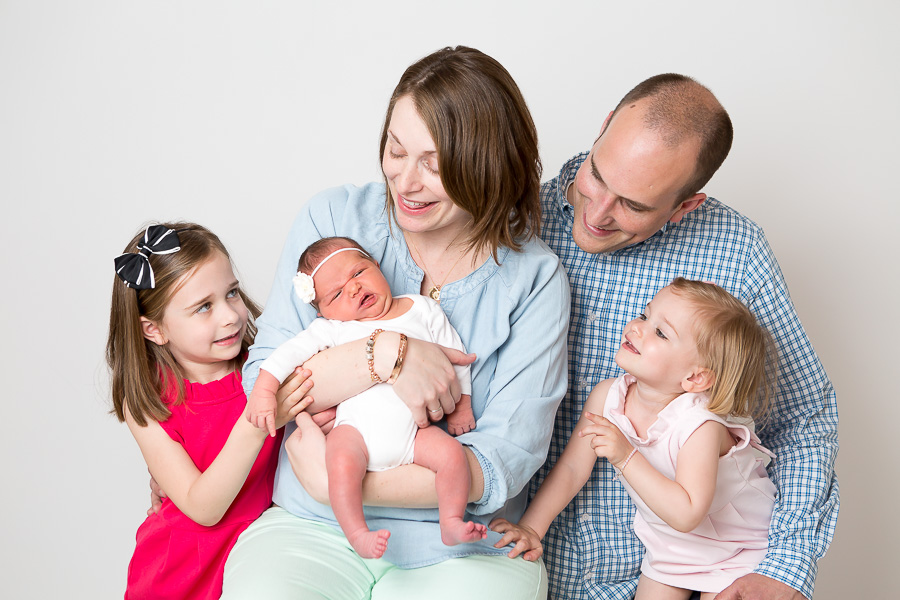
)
(629, 186)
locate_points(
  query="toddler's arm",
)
(261, 404)
(682, 503)
(566, 478)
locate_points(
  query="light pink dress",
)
(732, 540)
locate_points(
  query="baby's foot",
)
(456, 531)
(370, 544)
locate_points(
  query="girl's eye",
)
(336, 296)
(395, 156)
(204, 307)
(661, 334)
(642, 317)
(232, 293)
(358, 273)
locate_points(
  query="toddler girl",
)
(179, 331)
(373, 430)
(704, 502)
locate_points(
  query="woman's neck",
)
(444, 256)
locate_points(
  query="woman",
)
(456, 219)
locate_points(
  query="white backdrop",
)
(233, 114)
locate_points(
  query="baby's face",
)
(351, 287)
(659, 346)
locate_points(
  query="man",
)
(626, 218)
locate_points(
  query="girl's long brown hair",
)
(139, 369)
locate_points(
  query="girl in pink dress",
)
(695, 359)
(179, 331)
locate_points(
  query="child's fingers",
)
(499, 524)
(507, 539)
(518, 549)
(270, 425)
(593, 417)
(533, 554)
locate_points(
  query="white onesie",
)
(380, 416)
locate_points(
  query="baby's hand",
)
(462, 419)
(261, 411)
(608, 441)
(528, 542)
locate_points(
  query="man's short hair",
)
(681, 108)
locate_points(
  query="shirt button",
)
(592, 317)
(585, 517)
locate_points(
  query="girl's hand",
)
(156, 496)
(306, 452)
(291, 398)
(427, 383)
(528, 542)
(608, 441)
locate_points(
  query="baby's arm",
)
(462, 419)
(566, 478)
(682, 503)
(261, 404)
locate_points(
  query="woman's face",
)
(410, 165)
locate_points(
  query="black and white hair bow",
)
(134, 267)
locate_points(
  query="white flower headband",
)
(303, 283)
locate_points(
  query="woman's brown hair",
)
(140, 369)
(486, 141)
(734, 346)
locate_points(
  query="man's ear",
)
(152, 332)
(605, 125)
(687, 206)
(699, 381)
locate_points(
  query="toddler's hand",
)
(608, 441)
(528, 542)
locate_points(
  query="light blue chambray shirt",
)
(513, 316)
(590, 550)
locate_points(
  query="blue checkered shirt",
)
(590, 549)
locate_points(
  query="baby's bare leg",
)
(653, 590)
(346, 457)
(445, 456)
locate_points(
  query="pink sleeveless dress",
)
(175, 557)
(732, 540)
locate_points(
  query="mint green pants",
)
(283, 557)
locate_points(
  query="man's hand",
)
(759, 587)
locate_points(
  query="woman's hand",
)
(608, 441)
(528, 542)
(291, 398)
(306, 452)
(427, 383)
